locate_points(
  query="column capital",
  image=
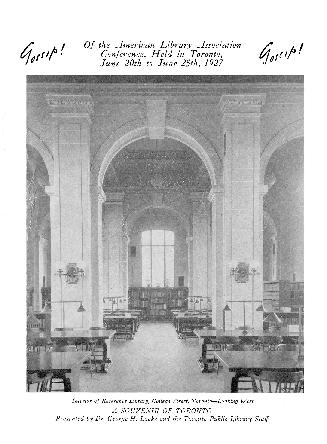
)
(241, 103)
(219, 189)
(50, 191)
(70, 105)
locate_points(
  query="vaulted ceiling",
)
(157, 164)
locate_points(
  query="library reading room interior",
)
(164, 224)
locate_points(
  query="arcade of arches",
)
(218, 165)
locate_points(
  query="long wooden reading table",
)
(125, 324)
(58, 363)
(212, 339)
(238, 362)
(187, 322)
(95, 340)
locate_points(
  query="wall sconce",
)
(73, 273)
(242, 270)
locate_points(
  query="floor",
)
(154, 361)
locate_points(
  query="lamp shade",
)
(81, 308)
(227, 308)
(260, 308)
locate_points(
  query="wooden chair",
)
(278, 382)
(270, 343)
(60, 383)
(40, 381)
(98, 360)
(242, 382)
(208, 361)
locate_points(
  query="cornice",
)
(210, 92)
(241, 103)
(70, 103)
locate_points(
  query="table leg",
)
(106, 355)
(74, 378)
(229, 386)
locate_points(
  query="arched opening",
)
(283, 229)
(38, 231)
(153, 187)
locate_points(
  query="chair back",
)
(278, 382)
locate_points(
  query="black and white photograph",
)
(163, 178)
(164, 233)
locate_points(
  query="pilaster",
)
(116, 248)
(200, 213)
(70, 210)
(215, 197)
(242, 212)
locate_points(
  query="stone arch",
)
(33, 140)
(292, 131)
(131, 218)
(138, 129)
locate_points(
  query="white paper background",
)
(31, 418)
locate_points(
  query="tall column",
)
(209, 258)
(115, 273)
(105, 237)
(36, 293)
(48, 270)
(218, 288)
(200, 244)
(263, 189)
(70, 210)
(242, 208)
(124, 269)
(43, 262)
(98, 197)
(189, 241)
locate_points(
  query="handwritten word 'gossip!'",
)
(268, 54)
(31, 56)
